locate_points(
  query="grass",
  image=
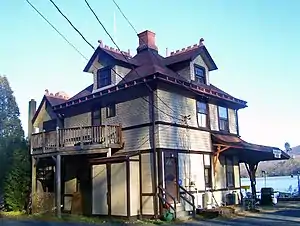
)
(50, 217)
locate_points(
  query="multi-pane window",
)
(202, 114)
(223, 119)
(111, 111)
(200, 74)
(229, 172)
(103, 77)
(96, 117)
(207, 171)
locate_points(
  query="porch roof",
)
(247, 152)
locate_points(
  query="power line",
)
(74, 47)
(111, 38)
(72, 25)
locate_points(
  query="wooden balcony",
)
(74, 140)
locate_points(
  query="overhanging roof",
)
(247, 152)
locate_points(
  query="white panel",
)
(213, 113)
(197, 171)
(118, 189)
(207, 160)
(183, 171)
(232, 121)
(134, 188)
(99, 192)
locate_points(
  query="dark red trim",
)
(199, 89)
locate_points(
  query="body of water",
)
(282, 184)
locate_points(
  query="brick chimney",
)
(146, 41)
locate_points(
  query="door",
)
(171, 177)
(99, 178)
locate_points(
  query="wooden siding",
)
(134, 189)
(78, 120)
(219, 179)
(129, 113)
(232, 121)
(173, 106)
(118, 189)
(122, 71)
(173, 137)
(213, 113)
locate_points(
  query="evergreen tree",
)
(14, 154)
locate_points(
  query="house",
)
(149, 130)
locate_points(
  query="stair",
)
(181, 214)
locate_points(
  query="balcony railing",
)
(103, 136)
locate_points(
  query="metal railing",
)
(165, 201)
(190, 202)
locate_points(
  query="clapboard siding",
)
(232, 121)
(136, 139)
(173, 106)
(78, 120)
(185, 139)
(129, 113)
(213, 113)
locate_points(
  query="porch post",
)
(251, 168)
(58, 185)
(33, 184)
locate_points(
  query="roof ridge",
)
(106, 47)
(188, 48)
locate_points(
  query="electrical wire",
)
(126, 58)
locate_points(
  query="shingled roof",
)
(148, 63)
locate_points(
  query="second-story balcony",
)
(76, 139)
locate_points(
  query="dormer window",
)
(200, 74)
(103, 77)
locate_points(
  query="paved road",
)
(287, 214)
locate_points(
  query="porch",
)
(86, 139)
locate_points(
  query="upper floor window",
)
(200, 74)
(111, 111)
(223, 119)
(96, 117)
(103, 77)
(202, 114)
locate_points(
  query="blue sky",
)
(254, 43)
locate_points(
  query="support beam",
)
(220, 148)
(33, 184)
(58, 185)
(251, 169)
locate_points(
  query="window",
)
(207, 171)
(223, 119)
(111, 111)
(200, 74)
(50, 125)
(229, 173)
(207, 176)
(103, 77)
(96, 117)
(202, 114)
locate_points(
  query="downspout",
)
(154, 154)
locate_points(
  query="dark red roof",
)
(88, 90)
(53, 100)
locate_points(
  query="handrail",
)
(165, 200)
(188, 201)
(76, 136)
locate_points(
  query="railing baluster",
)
(81, 137)
(43, 141)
